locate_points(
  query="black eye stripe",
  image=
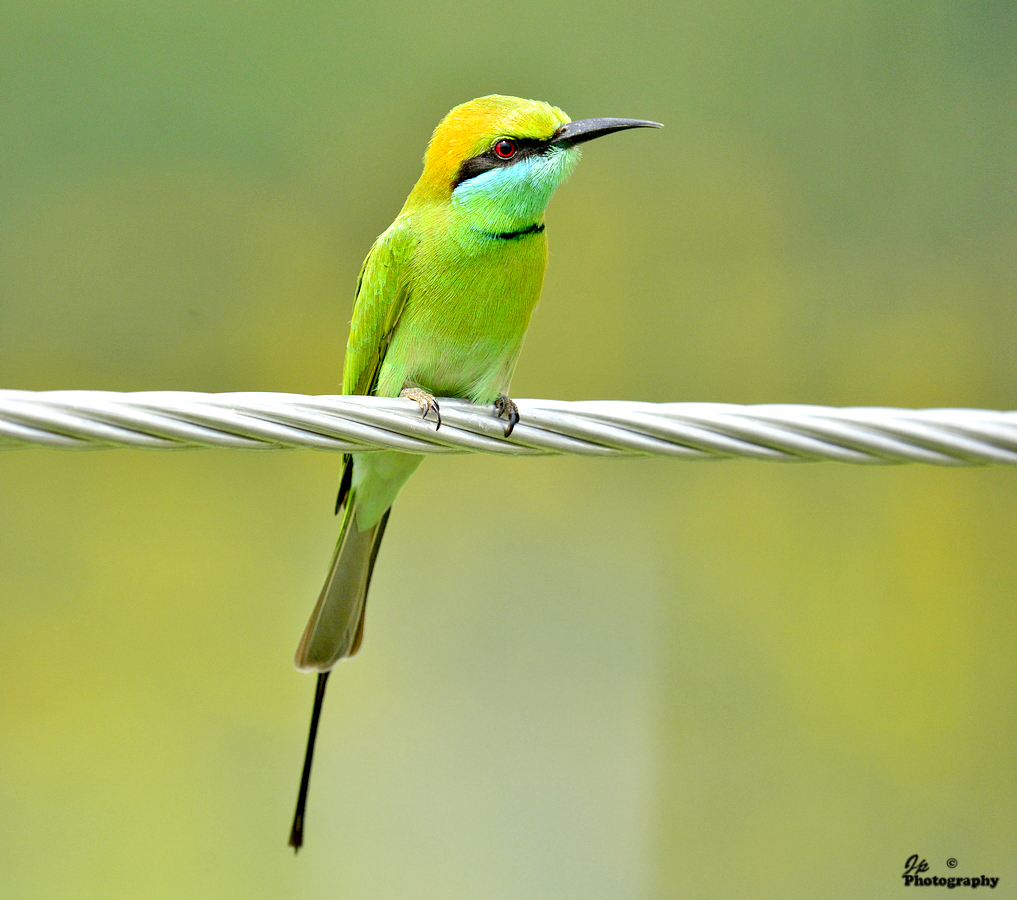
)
(488, 160)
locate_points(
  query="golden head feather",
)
(473, 127)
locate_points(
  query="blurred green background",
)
(580, 678)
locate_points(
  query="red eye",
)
(505, 149)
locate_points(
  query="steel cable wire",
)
(273, 421)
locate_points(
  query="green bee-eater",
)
(442, 305)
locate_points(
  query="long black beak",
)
(587, 129)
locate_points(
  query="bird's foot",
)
(506, 409)
(425, 401)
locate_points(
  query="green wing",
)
(382, 292)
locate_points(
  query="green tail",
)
(336, 626)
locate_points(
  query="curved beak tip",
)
(583, 130)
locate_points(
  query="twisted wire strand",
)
(273, 421)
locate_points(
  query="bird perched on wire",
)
(442, 305)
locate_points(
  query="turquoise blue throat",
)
(509, 202)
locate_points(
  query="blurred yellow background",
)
(580, 678)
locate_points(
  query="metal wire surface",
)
(271, 421)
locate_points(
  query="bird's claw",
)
(505, 408)
(425, 401)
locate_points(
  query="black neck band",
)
(512, 235)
